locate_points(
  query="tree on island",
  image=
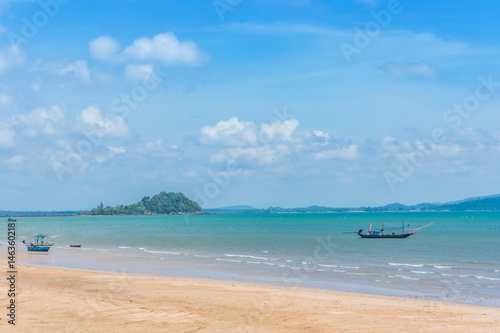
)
(159, 204)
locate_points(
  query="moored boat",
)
(12, 219)
(40, 244)
(380, 233)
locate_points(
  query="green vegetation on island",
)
(160, 204)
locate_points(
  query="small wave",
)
(353, 273)
(497, 270)
(423, 272)
(485, 278)
(410, 265)
(124, 247)
(404, 277)
(245, 256)
(339, 266)
(162, 252)
(229, 260)
(448, 267)
(329, 270)
(142, 248)
(384, 281)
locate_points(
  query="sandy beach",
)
(68, 300)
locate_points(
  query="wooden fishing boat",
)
(75, 246)
(380, 233)
(39, 244)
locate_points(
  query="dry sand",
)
(66, 300)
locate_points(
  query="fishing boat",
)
(381, 233)
(12, 219)
(39, 244)
(75, 245)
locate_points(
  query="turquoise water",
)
(455, 259)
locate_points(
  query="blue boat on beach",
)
(39, 244)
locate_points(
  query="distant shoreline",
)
(76, 214)
(229, 212)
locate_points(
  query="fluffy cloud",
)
(40, 121)
(109, 125)
(163, 48)
(229, 133)
(245, 142)
(104, 48)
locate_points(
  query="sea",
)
(456, 259)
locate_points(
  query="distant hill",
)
(237, 207)
(160, 204)
(477, 204)
(485, 203)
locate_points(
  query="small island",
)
(160, 204)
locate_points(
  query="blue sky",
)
(263, 102)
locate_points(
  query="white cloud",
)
(345, 153)
(110, 125)
(409, 69)
(104, 48)
(321, 134)
(78, 69)
(229, 133)
(260, 155)
(279, 130)
(139, 72)
(163, 48)
(245, 142)
(40, 121)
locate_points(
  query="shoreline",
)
(83, 300)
